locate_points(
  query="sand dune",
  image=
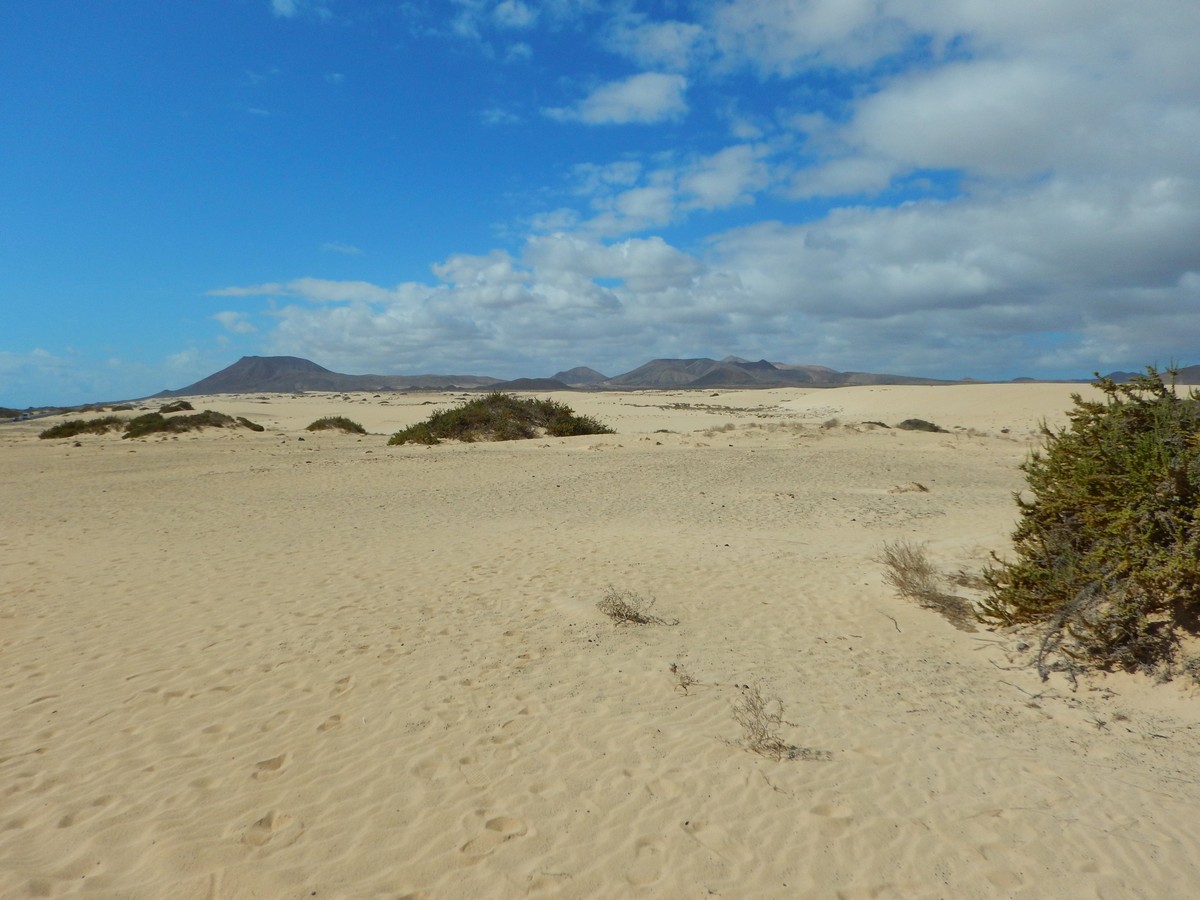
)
(246, 665)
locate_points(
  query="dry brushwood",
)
(628, 608)
(761, 719)
(683, 680)
(909, 571)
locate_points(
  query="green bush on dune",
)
(336, 423)
(500, 417)
(74, 427)
(150, 423)
(1108, 550)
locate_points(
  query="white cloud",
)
(671, 45)
(783, 37)
(339, 247)
(235, 322)
(514, 14)
(1066, 129)
(285, 9)
(646, 98)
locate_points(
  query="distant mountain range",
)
(288, 374)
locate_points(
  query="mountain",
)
(734, 372)
(579, 376)
(291, 374)
(1185, 375)
(288, 374)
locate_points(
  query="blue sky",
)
(944, 187)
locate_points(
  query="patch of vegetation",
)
(177, 406)
(74, 427)
(921, 425)
(8, 413)
(907, 569)
(336, 423)
(762, 719)
(628, 608)
(1108, 550)
(500, 417)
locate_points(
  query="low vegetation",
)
(336, 423)
(75, 427)
(921, 425)
(150, 423)
(629, 608)
(762, 720)
(177, 406)
(500, 417)
(1107, 551)
(907, 568)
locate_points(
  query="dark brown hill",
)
(732, 372)
(288, 374)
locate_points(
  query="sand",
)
(249, 665)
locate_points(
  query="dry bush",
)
(907, 568)
(683, 678)
(913, 487)
(629, 608)
(761, 719)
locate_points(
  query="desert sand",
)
(238, 664)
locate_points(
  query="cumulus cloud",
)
(1058, 229)
(646, 98)
(514, 14)
(671, 45)
(235, 322)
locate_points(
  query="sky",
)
(945, 188)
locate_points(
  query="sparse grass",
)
(907, 569)
(761, 720)
(75, 427)
(336, 423)
(500, 417)
(177, 406)
(629, 608)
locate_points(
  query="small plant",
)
(921, 425)
(761, 719)
(683, 679)
(500, 417)
(336, 423)
(177, 406)
(628, 608)
(907, 569)
(913, 487)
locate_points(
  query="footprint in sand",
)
(331, 723)
(647, 864)
(268, 768)
(496, 831)
(342, 685)
(717, 840)
(274, 826)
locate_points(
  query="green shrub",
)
(156, 423)
(921, 425)
(337, 423)
(177, 406)
(1108, 550)
(75, 427)
(500, 417)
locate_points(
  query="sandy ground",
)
(249, 665)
